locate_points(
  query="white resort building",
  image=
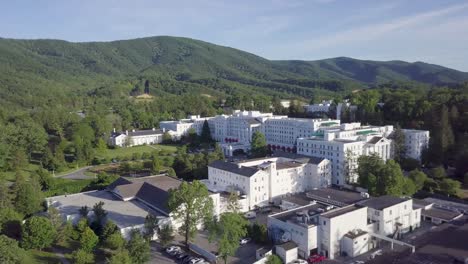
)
(135, 137)
(266, 180)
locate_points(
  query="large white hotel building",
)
(341, 144)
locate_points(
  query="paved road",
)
(157, 255)
(77, 174)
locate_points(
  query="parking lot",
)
(245, 253)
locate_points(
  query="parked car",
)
(299, 261)
(244, 241)
(176, 252)
(172, 249)
(187, 260)
(181, 255)
(250, 215)
(196, 261)
(316, 258)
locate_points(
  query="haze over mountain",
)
(33, 67)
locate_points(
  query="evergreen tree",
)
(205, 136)
(28, 197)
(259, 146)
(151, 226)
(88, 239)
(138, 248)
(10, 252)
(398, 138)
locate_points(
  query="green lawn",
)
(121, 152)
(30, 168)
(43, 257)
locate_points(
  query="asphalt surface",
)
(77, 174)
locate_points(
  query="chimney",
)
(239, 166)
(114, 129)
(126, 132)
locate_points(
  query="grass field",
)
(10, 175)
(121, 152)
(43, 257)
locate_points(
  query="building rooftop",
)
(374, 140)
(355, 233)
(123, 214)
(341, 211)
(298, 157)
(153, 190)
(295, 215)
(288, 165)
(299, 199)
(288, 245)
(421, 203)
(234, 168)
(136, 133)
(382, 202)
(335, 196)
(440, 213)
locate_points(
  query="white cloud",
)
(370, 32)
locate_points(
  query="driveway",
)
(77, 174)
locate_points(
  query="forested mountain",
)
(44, 70)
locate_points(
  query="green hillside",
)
(41, 70)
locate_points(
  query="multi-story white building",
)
(234, 132)
(325, 106)
(281, 132)
(344, 144)
(268, 179)
(135, 138)
(181, 127)
(392, 216)
(415, 141)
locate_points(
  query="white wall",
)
(332, 230)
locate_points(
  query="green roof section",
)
(365, 132)
(329, 123)
(317, 134)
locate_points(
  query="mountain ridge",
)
(181, 65)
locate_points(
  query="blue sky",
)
(434, 31)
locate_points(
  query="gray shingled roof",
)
(153, 190)
(234, 168)
(382, 202)
(374, 140)
(137, 133)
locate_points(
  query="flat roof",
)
(123, 214)
(341, 211)
(335, 196)
(234, 168)
(288, 165)
(300, 199)
(382, 202)
(444, 214)
(421, 203)
(292, 215)
(355, 233)
(288, 245)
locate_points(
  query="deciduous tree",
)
(38, 233)
(191, 205)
